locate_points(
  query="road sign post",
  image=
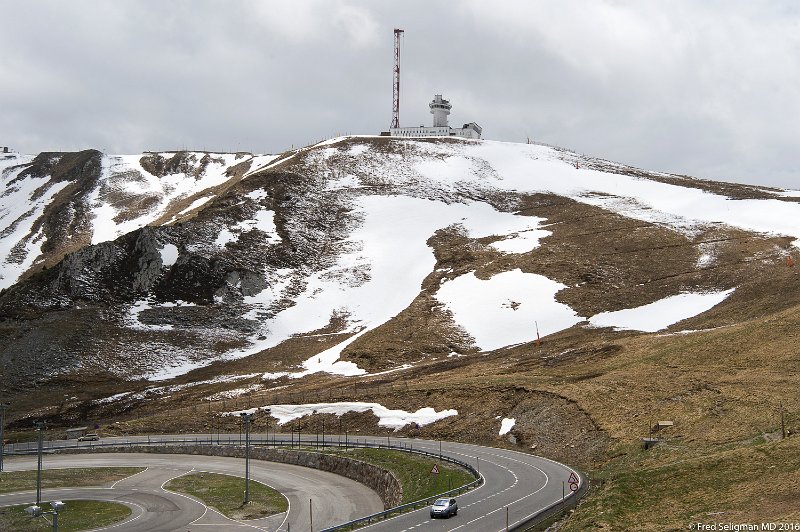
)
(574, 482)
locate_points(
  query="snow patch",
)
(357, 150)
(521, 242)
(343, 183)
(111, 398)
(504, 310)
(236, 392)
(261, 162)
(224, 237)
(660, 314)
(786, 193)
(195, 204)
(395, 419)
(263, 220)
(257, 194)
(329, 152)
(169, 255)
(181, 366)
(506, 425)
(707, 254)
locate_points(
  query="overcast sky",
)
(710, 89)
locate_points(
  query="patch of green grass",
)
(413, 471)
(12, 481)
(77, 515)
(226, 493)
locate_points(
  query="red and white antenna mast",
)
(396, 84)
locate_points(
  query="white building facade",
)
(440, 108)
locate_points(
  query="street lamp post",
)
(3, 407)
(36, 511)
(247, 418)
(40, 429)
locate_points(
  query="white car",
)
(444, 508)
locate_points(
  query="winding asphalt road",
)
(335, 499)
(516, 485)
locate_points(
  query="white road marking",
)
(125, 522)
(126, 478)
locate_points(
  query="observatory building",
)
(440, 108)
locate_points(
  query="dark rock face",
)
(193, 278)
(110, 272)
(180, 162)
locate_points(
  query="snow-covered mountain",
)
(358, 256)
(55, 203)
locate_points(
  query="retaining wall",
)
(383, 482)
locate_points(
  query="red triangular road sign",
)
(573, 478)
(435, 469)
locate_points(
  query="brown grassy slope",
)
(722, 388)
(752, 484)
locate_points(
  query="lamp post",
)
(3, 407)
(36, 511)
(247, 418)
(40, 429)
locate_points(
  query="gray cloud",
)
(709, 89)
